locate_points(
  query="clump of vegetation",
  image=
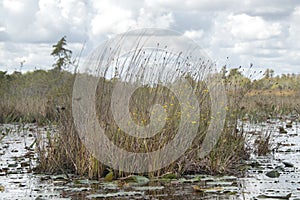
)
(46, 97)
(263, 144)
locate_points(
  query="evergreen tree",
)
(62, 54)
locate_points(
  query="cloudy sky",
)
(265, 33)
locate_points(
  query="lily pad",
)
(207, 189)
(273, 174)
(275, 196)
(59, 178)
(81, 189)
(110, 185)
(287, 164)
(12, 165)
(116, 194)
(2, 188)
(169, 176)
(109, 176)
(220, 183)
(85, 181)
(149, 188)
(135, 180)
(192, 180)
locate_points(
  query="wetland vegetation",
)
(259, 145)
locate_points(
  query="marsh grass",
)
(263, 144)
(262, 106)
(33, 96)
(67, 152)
(46, 97)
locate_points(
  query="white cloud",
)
(15, 6)
(194, 34)
(246, 27)
(158, 19)
(263, 32)
(194, 5)
(17, 17)
(271, 9)
(74, 11)
(294, 29)
(34, 55)
(112, 20)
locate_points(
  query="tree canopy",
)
(62, 54)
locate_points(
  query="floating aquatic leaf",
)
(81, 189)
(275, 196)
(109, 176)
(287, 164)
(110, 185)
(135, 180)
(220, 183)
(273, 174)
(59, 178)
(85, 181)
(2, 188)
(205, 189)
(117, 194)
(169, 175)
(192, 180)
(144, 188)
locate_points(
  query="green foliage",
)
(62, 54)
(283, 82)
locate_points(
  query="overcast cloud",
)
(265, 33)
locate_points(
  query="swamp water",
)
(18, 181)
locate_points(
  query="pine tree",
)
(62, 54)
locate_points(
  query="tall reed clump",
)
(142, 99)
(64, 151)
(231, 148)
(61, 150)
(155, 72)
(263, 144)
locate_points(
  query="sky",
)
(232, 32)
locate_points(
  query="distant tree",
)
(2, 74)
(2, 81)
(234, 73)
(223, 72)
(236, 79)
(63, 55)
(269, 73)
